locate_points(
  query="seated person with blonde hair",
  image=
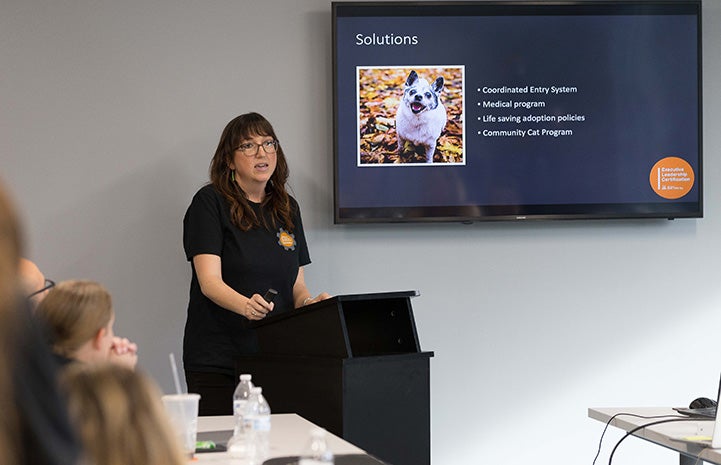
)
(79, 317)
(119, 416)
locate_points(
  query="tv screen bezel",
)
(512, 212)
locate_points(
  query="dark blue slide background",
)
(637, 88)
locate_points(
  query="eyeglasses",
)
(49, 284)
(250, 149)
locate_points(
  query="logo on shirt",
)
(286, 239)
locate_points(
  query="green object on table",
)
(205, 445)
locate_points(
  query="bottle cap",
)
(245, 377)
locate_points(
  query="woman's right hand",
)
(210, 276)
(256, 308)
(124, 352)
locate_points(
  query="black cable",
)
(608, 423)
(630, 432)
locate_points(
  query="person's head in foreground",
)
(119, 416)
(9, 290)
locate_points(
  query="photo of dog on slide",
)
(410, 116)
(421, 115)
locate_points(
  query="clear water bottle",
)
(257, 422)
(240, 399)
(242, 448)
(317, 451)
(241, 445)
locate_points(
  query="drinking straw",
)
(176, 378)
(179, 391)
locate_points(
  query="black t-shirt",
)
(252, 262)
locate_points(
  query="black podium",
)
(353, 365)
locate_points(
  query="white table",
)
(289, 435)
(662, 434)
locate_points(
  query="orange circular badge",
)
(286, 239)
(671, 177)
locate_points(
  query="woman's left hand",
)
(318, 298)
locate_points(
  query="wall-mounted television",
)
(472, 111)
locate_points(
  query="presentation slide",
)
(516, 110)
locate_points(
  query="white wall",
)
(110, 112)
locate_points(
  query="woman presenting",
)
(243, 235)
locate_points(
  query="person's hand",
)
(124, 352)
(318, 298)
(256, 308)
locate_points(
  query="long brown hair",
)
(119, 416)
(10, 249)
(277, 200)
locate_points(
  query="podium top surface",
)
(270, 319)
(344, 326)
(377, 295)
